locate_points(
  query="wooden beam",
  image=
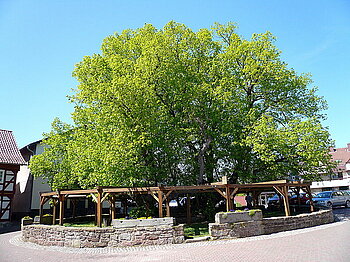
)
(125, 207)
(167, 204)
(286, 201)
(160, 203)
(43, 201)
(254, 198)
(154, 196)
(54, 208)
(256, 194)
(105, 196)
(234, 192)
(308, 191)
(220, 192)
(167, 194)
(74, 206)
(78, 192)
(41, 209)
(99, 207)
(228, 200)
(112, 207)
(61, 210)
(146, 190)
(188, 209)
(279, 190)
(94, 197)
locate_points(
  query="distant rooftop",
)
(9, 153)
(341, 156)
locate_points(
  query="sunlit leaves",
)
(174, 106)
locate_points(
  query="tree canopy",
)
(173, 106)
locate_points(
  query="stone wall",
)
(235, 230)
(269, 225)
(278, 224)
(102, 237)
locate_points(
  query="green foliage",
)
(253, 211)
(173, 106)
(196, 230)
(138, 212)
(80, 224)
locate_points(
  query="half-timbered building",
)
(10, 162)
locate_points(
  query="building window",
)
(2, 176)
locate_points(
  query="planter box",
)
(234, 217)
(26, 221)
(121, 223)
(46, 220)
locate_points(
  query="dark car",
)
(274, 201)
(294, 199)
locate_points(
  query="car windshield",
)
(324, 195)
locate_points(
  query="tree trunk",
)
(201, 160)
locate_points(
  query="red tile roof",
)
(9, 153)
(341, 156)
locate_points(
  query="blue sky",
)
(41, 41)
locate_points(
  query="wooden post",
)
(284, 192)
(147, 208)
(286, 201)
(188, 209)
(99, 207)
(308, 191)
(112, 202)
(160, 203)
(228, 199)
(54, 202)
(254, 199)
(74, 206)
(125, 207)
(41, 210)
(61, 213)
(167, 204)
(297, 192)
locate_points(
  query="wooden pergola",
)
(163, 194)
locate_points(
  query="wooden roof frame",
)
(162, 193)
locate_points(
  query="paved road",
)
(323, 243)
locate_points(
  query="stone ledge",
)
(269, 225)
(102, 237)
(122, 223)
(233, 217)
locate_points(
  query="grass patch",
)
(196, 230)
(80, 224)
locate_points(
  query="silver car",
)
(332, 198)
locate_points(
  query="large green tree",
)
(174, 106)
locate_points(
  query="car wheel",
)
(329, 204)
(347, 204)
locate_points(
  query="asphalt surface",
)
(322, 243)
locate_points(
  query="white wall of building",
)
(39, 185)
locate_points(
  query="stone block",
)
(233, 217)
(153, 222)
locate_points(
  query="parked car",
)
(274, 201)
(303, 199)
(331, 199)
(293, 199)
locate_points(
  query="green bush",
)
(138, 212)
